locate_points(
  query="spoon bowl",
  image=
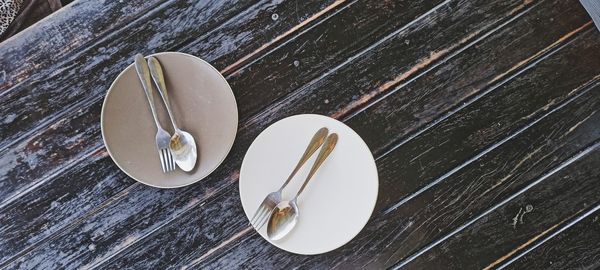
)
(283, 219)
(183, 148)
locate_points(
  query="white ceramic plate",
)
(338, 201)
(202, 102)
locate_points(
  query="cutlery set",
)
(280, 215)
(293, 217)
(180, 148)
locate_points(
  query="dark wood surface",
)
(482, 116)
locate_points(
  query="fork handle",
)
(159, 79)
(143, 72)
(316, 142)
(330, 143)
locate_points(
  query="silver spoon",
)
(285, 215)
(182, 143)
(262, 214)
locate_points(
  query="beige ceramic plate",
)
(203, 104)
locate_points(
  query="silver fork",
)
(163, 138)
(266, 207)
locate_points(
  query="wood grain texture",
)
(36, 217)
(132, 257)
(460, 196)
(67, 141)
(227, 171)
(513, 226)
(324, 49)
(465, 104)
(31, 54)
(173, 25)
(156, 260)
(412, 224)
(18, 173)
(476, 70)
(573, 246)
(57, 99)
(367, 75)
(288, 15)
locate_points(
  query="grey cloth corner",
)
(593, 8)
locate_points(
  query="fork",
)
(263, 212)
(163, 138)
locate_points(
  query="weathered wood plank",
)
(397, 231)
(94, 240)
(514, 225)
(149, 215)
(495, 177)
(458, 76)
(31, 54)
(34, 218)
(323, 49)
(19, 174)
(290, 16)
(575, 247)
(454, 141)
(397, 58)
(527, 39)
(89, 73)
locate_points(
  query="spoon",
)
(286, 213)
(182, 144)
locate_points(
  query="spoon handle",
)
(141, 67)
(328, 146)
(315, 143)
(159, 79)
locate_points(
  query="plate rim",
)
(209, 172)
(362, 144)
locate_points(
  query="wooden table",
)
(482, 115)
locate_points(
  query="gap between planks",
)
(529, 242)
(352, 58)
(412, 74)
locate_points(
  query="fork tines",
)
(166, 160)
(260, 217)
